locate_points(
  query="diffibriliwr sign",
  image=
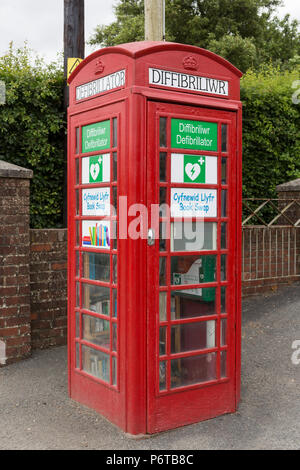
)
(188, 82)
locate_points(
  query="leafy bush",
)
(32, 129)
(271, 137)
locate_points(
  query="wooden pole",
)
(73, 47)
(73, 30)
(154, 20)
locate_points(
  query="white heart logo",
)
(192, 170)
(95, 168)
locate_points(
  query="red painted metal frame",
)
(135, 404)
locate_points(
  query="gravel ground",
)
(36, 412)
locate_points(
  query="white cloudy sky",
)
(40, 22)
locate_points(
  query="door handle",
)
(151, 237)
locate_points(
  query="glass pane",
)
(193, 269)
(192, 336)
(114, 371)
(224, 203)
(114, 233)
(223, 267)
(193, 303)
(77, 134)
(77, 294)
(115, 199)
(162, 340)
(193, 236)
(115, 269)
(77, 171)
(95, 363)
(162, 200)
(163, 306)
(223, 300)
(77, 233)
(224, 170)
(115, 132)
(224, 137)
(192, 370)
(114, 303)
(77, 202)
(162, 375)
(163, 132)
(114, 337)
(77, 264)
(77, 329)
(223, 332)
(77, 356)
(162, 271)
(115, 166)
(162, 166)
(223, 364)
(162, 236)
(96, 266)
(223, 236)
(96, 331)
(96, 298)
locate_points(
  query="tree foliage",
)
(239, 51)
(32, 129)
(246, 32)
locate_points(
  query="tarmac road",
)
(36, 413)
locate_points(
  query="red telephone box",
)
(155, 294)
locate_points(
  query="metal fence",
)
(271, 249)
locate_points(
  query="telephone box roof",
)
(136, 50)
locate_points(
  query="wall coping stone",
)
(8, 170)
(289, 186)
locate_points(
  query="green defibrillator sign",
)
(194, 135)
(194, 169)
(96, 169)
(96, 137)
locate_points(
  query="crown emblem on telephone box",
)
(190, 63)
(99, 67)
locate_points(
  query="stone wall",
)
(48, 287)
(15, 323)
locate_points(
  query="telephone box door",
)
(191, 300)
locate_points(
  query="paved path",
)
(36, 413)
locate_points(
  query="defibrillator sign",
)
(199, 169)
(96, 169)
(196, 135)
(96, 136)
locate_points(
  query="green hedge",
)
(32, 130)
(271, 131)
